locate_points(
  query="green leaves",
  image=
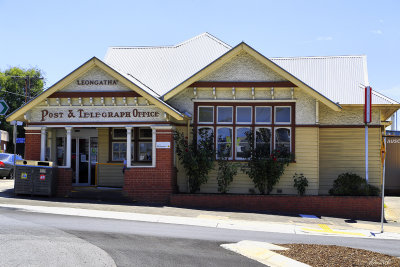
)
(197, 157)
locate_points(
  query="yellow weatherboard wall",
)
(103, 139)
(343, 150)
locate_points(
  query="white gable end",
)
(95, 80)
(243, 67)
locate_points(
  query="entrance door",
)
(80, 160)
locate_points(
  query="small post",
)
(383, 184)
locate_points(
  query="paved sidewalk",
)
(210, 218)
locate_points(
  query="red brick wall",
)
(153, 185)
(32, 145)
(366, 208)
(64, 182)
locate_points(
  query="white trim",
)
(236, 138)
(290, 115)
(149, 124)
(128, 147)
(230, 122)
(32, 133)
(68, 144)
(153, 156)
(198, 114)
(245, 100)
(232, 141)
(290, 137)
(43, 139)
(263, 122)
(251, 115)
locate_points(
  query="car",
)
(7, 164)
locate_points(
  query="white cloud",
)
(379, 32)
(324, 38)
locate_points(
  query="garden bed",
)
(350, 207)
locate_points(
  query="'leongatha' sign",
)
(96, 82)
(95, 114)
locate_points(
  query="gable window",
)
(225, 115)
(243, 115)
(272, 123)
(263, 115)
(282, 115)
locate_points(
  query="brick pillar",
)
(32, 144)
(64, 182)
(154, 185)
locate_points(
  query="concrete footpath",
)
(309, 224)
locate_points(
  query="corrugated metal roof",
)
(160, 69)
(340, 78)
(163, 68)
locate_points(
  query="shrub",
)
(197, 157)
(300, 183)
(351, 184)
(226, 171)
(264, 168)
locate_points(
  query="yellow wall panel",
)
(343, 150)
(103, 147)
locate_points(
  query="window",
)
(243, 115)
(263, 140)
(145, 133)
(224, 141)
(242, 144)
(118, 151)
(230, 121)
(263, 115)
(206, 114)
(60, 151)
(208, 131)
(225, 115)
(282, 139)
(119, 133)
(145, 151)
(282, 115)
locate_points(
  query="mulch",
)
(326, 255)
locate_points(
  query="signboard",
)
(24, 175)
(42, 177)
(95, 114)
(368, 104)
(3, 107)
(163, 145)
(20, 140)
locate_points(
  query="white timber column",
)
(68, 145)
(316, 112)
(154, 140)
(128, 147)
(43, 139)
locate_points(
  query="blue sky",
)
(58, 36)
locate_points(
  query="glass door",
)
(93, 160)
(80, 161)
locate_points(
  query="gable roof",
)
(164, 67)
(268, 63)
(340, 78)
(95, 62)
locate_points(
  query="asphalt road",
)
(56, 240)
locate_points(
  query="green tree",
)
(13, 84)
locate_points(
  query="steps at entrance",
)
(99, 194)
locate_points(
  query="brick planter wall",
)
(362, 208)
(32, 145)
(153, 185)
(64, 182)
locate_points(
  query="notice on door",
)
(163, 145)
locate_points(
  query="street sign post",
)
(3, 107)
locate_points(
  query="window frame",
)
(198, 115)
(147, 142)
(251, 115)
(290, 139)
(253, 125)
(119, 142)
(290, 115)
(236, 145)
(233, 115)
(118, 138)
(232, 141)
(272, 136)
(270, 115)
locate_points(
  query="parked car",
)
(7, 164)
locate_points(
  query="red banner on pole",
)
(368, 104)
